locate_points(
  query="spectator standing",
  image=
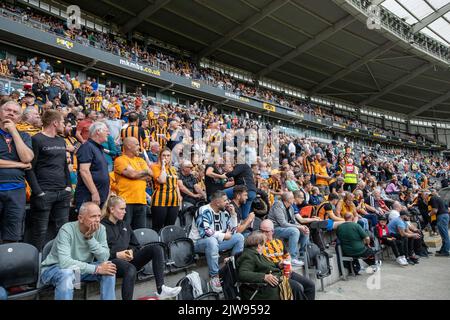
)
(93, 175)
(166, 198)
(49, 179)
(350, 176)
(242, 175)
(133, 130)
(440, 210)
(15, 157)
(132, 173)
(31, 121)
(82, 132)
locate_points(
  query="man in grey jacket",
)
(286, 227)
(73, 252)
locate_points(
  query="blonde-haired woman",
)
(128, 255)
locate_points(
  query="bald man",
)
(132, 173)
(73, 252)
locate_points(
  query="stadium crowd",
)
(180, 64)
(91, 164)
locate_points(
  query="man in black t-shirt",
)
(243, 175)
(439, 209)
(49, 180)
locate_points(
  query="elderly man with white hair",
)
(93, 182)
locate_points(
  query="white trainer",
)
(297, 263)
(168, 292)
(215, 284)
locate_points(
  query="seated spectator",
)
(31, 121)
(291, 184)
(362, 209)
(407, 240)
(74, 250)
(393, 187)
(375, 201)
(382, 233)
(240, 195)
(395, 212)
(128, 256)
(213, 232)
(316, 197)
(189, 186)
(253, 267)
(347, 205)
(275, 251)
(337, 186)
(286, 226)
(355, 242)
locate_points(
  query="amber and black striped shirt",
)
(163, 131)
(274, 184)
(308, 165)
(134, 131)
(165, 195)
(274, 251)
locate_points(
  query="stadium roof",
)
(415, 12)
(320, 46)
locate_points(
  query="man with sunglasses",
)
(275, 251)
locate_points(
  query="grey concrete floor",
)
(429, 280)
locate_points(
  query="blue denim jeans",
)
(364, 223)
(63, 281)
(442, 225)
(294, 237)
(247, 206)
(211, 247)
(3, 294)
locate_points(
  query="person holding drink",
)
(254, 267)
(275, 251)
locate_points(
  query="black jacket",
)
(120, 237)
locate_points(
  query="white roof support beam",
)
(143, 15)
(355, 65)
(397, 83)
(430, 105)
(321, 36)
(430, 18)
(250, 22)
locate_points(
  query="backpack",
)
(319, 260)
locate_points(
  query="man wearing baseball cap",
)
(408, 240)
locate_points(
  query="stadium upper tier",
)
(88, 48)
